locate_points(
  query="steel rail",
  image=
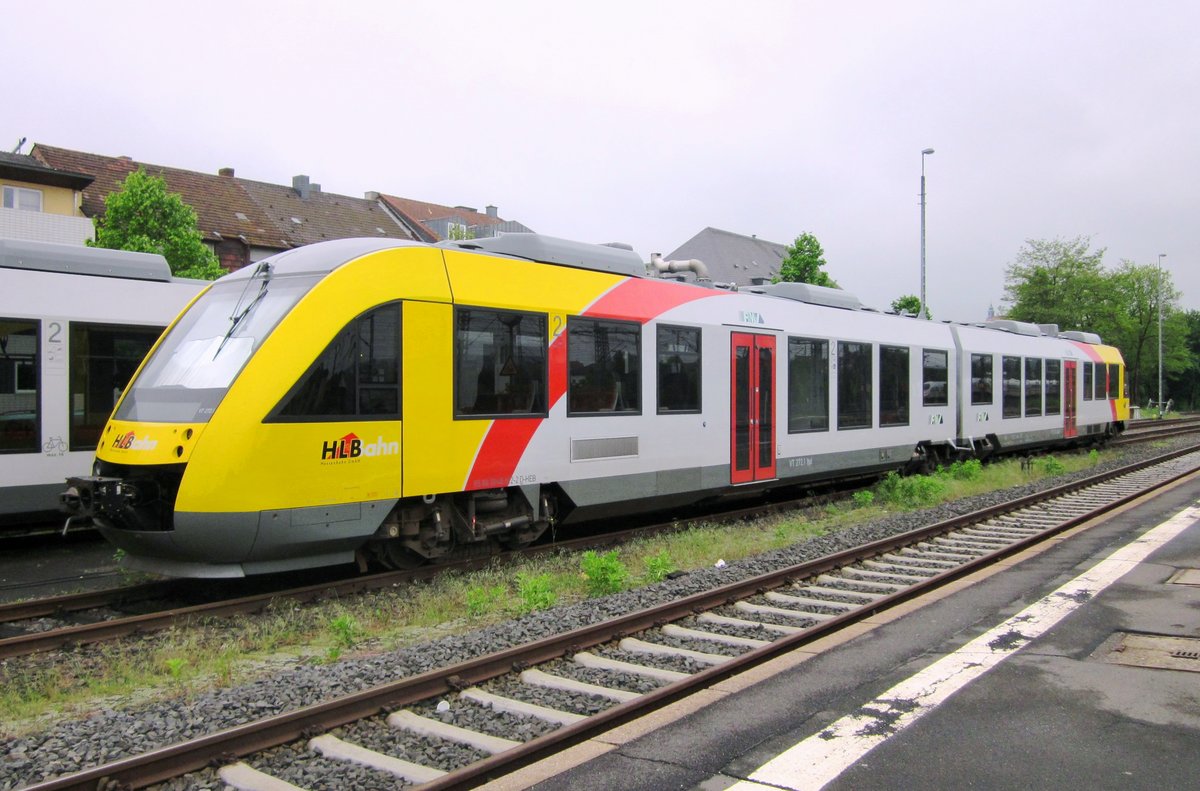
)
(178, 759)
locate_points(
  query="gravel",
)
(112, 733)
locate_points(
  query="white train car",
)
(75, 323)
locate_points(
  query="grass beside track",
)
(197, 656)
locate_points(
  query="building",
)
(242, 220)
(42, 203)
(731, 257)
(245, 221)
(432, 222)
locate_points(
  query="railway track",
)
(455, 726)
(63, 622)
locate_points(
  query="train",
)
(396, 403)
(75, 323)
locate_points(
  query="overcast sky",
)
(645, 122)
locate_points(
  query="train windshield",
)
(196, 363)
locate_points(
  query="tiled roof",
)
(229, 207)
(732, 257)
(417, 213)
(322, 215)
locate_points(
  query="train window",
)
(19, 397)
(103, 360)
(1114, 380)
(1033, 387)
(808, 385)
(893, 385)
(854, 385)
(678, 369)
(357, 375)
(1101, 382)
(1053, 387)
(935, 384)
(499, 363)
(1010, 369)
(981, 379)
(1087, 381)
(603, 366)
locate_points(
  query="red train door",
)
(1069, 429)
(752, 408)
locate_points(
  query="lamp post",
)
(924, 152)
(1159, 294)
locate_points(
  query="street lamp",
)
(1161, 256)
(924, 153)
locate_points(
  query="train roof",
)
(619, 260)
(76, 260)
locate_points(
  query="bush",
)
(1051, 466)
(605, 573)
(969, 470)
(911, 492)
(481, 599)
(535, 592)
(659, 566)
(863, 498)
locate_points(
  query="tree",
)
(910, 303)
(1184, 383)
(142, 216)
(1058, 282)
(804, 263)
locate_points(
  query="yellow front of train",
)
(233, 451)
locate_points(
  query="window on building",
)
(1033, 387)
(1088, 376)
(981, 379)
(357, 375)
(935, 382)
(603, 366)
(19, 396)
(854, 385)
(1053, 387)
(499, 363)
(678, 369)
(1010, 369)
(103, 360)
(22, 198)
(808, 385)
(893, 385)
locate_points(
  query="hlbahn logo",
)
(351, 447)
(128, 441)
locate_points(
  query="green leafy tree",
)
(1058, 282)
(805, 263)
(910, 303)
(142, 216)
(1184, 383)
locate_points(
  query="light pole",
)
(1159, 294)
(924, 153)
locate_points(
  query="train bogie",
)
(363, 398)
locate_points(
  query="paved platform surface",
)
(907, 700)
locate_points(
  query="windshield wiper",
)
(236, 319)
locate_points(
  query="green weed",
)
(605, 573)
(535, 592)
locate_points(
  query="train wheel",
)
(393, 555)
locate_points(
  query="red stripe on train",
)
(506, 440)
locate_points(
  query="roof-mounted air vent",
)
(1081, 337)
(563, 252)
(1016, 327)
(813, 295)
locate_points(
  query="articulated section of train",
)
(401, 402)
(75, 323)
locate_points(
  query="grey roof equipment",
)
(813, 295)
(551, 250)
(75, 260)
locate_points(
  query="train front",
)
(142, 467)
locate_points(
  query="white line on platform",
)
(820, 758)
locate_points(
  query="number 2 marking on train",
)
(556, 326)
(55, 332)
